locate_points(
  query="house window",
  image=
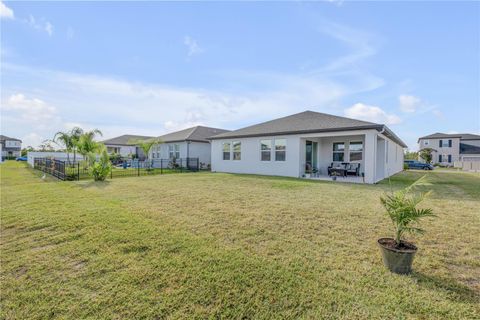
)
(338, 151)
(174, 151)
(439, 158)
(237, 150)
(265, 150)
(226, 151)
(356, 150)
(445, 143)
(280, 149)
(449, 158)
(426, 142)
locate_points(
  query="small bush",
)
(101, 168)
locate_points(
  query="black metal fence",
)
(127, 168)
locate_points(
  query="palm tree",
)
(87, 144)
(75, 135)
(146, 145)
(401, 207)
(65, 139)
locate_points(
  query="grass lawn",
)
(230, 246)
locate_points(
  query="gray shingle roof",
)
(306, 122)
(125, 140)
(198, 134)
(2, 138)
(463, 136)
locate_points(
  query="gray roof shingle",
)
(197, 134)
(306, 122)
(2, 138)
(125, 140)
(463, 136)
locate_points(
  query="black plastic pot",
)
(397, 260)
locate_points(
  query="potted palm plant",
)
(401, 207)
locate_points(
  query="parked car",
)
(414, 164)
(24, 158)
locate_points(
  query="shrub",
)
(401, 207)
(100, 168)
(405, 166)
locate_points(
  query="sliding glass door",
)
(311, 156)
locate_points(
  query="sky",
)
(149, 68)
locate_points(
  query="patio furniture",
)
(337, 169)
(353, 169)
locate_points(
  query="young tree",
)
(426, 154)
(87, 144)
(75, 135)
(146, 145)
(65, 139)
(411, 155)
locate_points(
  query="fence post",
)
(138, 169)
(111, 173)
(198, 165)
(161, 166)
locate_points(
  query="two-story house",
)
(11, 147)
(448, 148)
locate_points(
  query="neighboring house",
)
(188, 143)
(125, 145)
(290, 146)
(448, 148)
(11, 147)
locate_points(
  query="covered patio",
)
(356, 157)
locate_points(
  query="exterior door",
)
(311, 157)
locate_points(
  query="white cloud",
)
(41, 25)
(371, 113)
(49, 28)
(33, 112)
(192, 45)
(409, 103)
(6, 12)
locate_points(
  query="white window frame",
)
(266, 151)
(239, 143)
(281, 150)
(355, 151)
(339, 152)
(229, 152)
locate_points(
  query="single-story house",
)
(126, 145)
(306, 142)
(188, 143)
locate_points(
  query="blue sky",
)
(151, 67)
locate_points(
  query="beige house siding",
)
(444, 150)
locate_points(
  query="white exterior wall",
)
(125, 151)
(31, 155)
(250, 162)
(294, 165)
(391, 154)
(199, 150)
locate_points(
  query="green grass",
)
(230, 246)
